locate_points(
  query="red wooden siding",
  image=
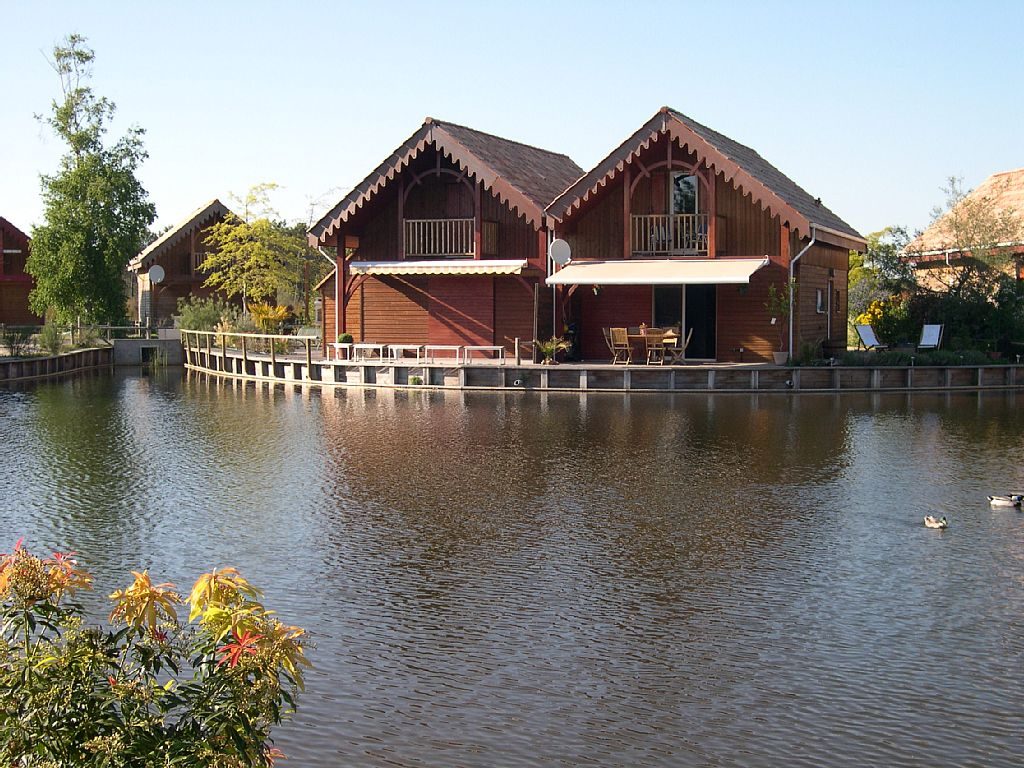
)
(517, 239)
(14, 309)
(750, 231)
(394, 310)
(329, 311)
(743, 320)
(615, 305)
(513, 312)
(461, 310)
(598, 233)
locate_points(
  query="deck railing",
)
(447, 238)
(677, 233)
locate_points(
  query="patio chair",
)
(654, 346)
(868, 338)
(622, 352)
(931, 337)
(674, 352)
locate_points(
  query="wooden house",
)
(993, 212)
(445, 242)
(15, 282)
(682, 226)
(179, 252)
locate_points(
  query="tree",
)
(974, 232)
(251, 255)
(971, 287)
(97, 214)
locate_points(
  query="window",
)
(198, 258)
(819, 301)
(684, 193)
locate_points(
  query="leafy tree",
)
(252, 255)
(975, 294)
(154, 689)
(975, 231)
(97, 214)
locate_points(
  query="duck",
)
(1009, 500)
(932, 522)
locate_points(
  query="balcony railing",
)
(677, 233)
(447, 238)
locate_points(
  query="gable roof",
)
(198, 219)
(1002, 193)
(738, 163)
(18, 234)
(523, 177)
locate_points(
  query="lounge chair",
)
(622, 352)
(868, 338)
(931, 337)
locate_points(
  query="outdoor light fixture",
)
(597, 289)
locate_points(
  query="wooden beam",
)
(340, 288)
(784, 252)
(478, 223)
(712, 214)
(627, 211)
(401, 218)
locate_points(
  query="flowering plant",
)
(149, 690)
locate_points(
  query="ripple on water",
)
(559, 580)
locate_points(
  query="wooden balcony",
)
(444, 238)
(678, 234)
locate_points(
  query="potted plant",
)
(548, 349)
(778, 306)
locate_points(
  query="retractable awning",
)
(440, 267)
(657, 272)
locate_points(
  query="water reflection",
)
(554, 579)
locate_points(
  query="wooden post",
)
(309, 357)
(401, 220)
(712, 214)
(273, 355)
(478, 223)
(627, 224)
(245, 353)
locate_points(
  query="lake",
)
(526, 579)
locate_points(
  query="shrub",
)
(345, 338)
(415, 379)
(150, 690)
(197, 314)
(51, 338)
(16, 338)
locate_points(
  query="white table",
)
(396, 351)
(363, 350)
(341, 346)
(499, 352)
(430, 349)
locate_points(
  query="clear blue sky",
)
(868, 105)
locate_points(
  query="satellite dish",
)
(156, 274)
(560, 252)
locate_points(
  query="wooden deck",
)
(495, 375)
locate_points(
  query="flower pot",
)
(780, 358)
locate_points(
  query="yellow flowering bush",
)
(149, 690)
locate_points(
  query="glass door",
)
(700, 312)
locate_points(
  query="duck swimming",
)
(932, 522)
(1011, 500)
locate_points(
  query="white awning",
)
(658, 272)
(440, 267)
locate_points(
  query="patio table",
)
(498, 351)
(364, 350)
(430, 349)
(396, 351)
